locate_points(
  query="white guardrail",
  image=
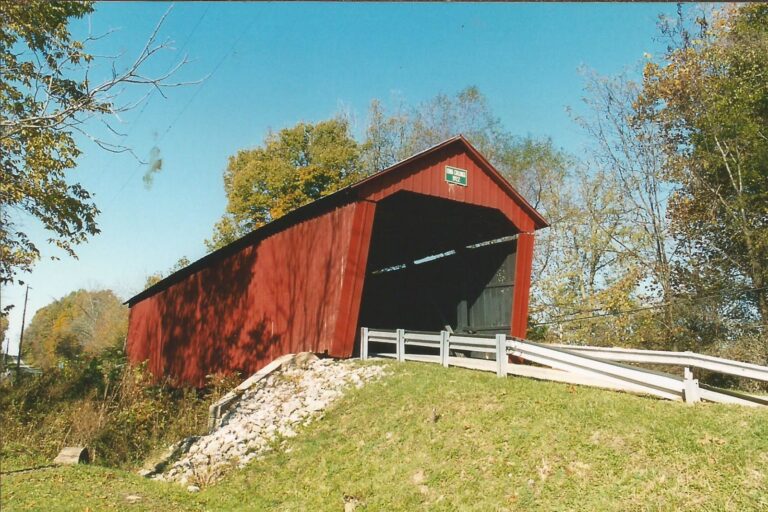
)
(591, 366)
(685, 359)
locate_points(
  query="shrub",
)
(102, 402)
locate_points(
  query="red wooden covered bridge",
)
(440, 239)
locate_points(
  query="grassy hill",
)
(437, 439)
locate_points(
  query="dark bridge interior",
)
(435, 263)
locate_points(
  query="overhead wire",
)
(180, 50)
(558, 321)
(215, 69)
(149, 97)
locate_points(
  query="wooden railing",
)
(443, 341)
(592, 366)
(684, 359)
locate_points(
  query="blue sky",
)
(271, 65)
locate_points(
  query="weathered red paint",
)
(354, 277)
(523, 266)
(298, 287)
(426, 176)
(280, 296)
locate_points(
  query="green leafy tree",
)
(709, 99)
(589, 272)
(295, 166)
(264, 183)
(391, 137)
(83, 322)
(155, 278)
(3, 329)
(534, 166)
(48, 92)
(626, 158)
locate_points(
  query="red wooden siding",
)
(428, 177)
(523, 265)
(298, 287)
(279, 296)
(353, 279)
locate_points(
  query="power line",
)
(215, 69)
(180, 50)
(194, 29)
(575, 311)
(149, 98)
(557, 320)
(191, 99)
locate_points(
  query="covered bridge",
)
(440, 239)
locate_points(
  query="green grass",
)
(92, 488)
(498, 444)
(15, 455)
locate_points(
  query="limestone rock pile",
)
(266, 414)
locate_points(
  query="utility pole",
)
(21, 337)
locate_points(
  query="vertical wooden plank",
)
(501, 355)
(462, 314)
(353, 279)
(436, 170)
(691, 391)
(363, 343)
(523, 262)
(444, 354)
(464, 193)
(400, 345)
(482, 189)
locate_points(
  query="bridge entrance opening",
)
(436, 264)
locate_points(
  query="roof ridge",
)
(308, 210)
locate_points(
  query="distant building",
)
(9, 367)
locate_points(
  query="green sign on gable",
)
(455, 176)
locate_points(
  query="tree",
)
(408, 130)
(589, 276)
(630, 152)
(534, 166)
(295, 166)
(3, 330)
(709, 100)
(83, 322)
(627, 155)
(155, 278)
(48, 94)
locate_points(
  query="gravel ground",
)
(272, 411)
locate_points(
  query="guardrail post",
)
(364, 343)
(444, 354)
(400, 345)
(501, 355)
(691, 391)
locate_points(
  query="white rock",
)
(297, 397)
